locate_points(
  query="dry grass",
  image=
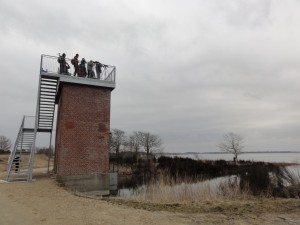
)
(3, 162)
(40, 161)
(166, 190)
(251, 205)
(220, 196)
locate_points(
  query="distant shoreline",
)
(221, 153)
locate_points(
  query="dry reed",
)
(169, 190)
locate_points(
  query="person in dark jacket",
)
(98, 69)
(63, 65)
(82, 68)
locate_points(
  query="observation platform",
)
(52, 77)
(51, 68)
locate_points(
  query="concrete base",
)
(94, 184)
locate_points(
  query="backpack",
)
(72, 61)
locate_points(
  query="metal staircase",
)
(46, 103)
(20, 162)
(18, 167)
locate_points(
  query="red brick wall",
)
(82, 131)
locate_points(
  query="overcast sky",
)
(188, 71)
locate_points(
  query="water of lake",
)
(267, 157)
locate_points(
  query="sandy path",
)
(43, 202)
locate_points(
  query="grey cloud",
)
(245, 14)
(187, 72)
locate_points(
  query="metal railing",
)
(24, 145)
(29, 122)
(50, 64)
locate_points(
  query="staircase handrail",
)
(13, 153)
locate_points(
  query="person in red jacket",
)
(75, 63)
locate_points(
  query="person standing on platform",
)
(98, 69)
(60, 60)
(90, 66)
(82, 68)
(75, 62)
(63, 65)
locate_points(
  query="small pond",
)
(129, 186)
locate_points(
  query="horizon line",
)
(245, 152)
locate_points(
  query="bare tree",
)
(5, 143)
(133, 143)
(150, 142)
(117, 139)
(233, 143)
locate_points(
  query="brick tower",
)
(83, 124)
(82, 135)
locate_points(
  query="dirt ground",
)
(44, 202)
